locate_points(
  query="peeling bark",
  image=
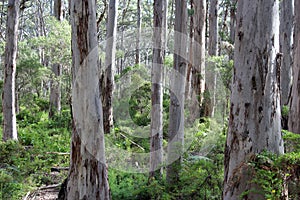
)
(88, 173)
(254, 124)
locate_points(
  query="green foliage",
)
(291, 141)
(285, 111)
(26, 164)
(270, 172)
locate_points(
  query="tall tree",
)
(159, 40)
(110, 49)
(55, 85)
(138, 36)
(8, 96)
(232, 20)
(293, 122)
(211, 78)
(213, 28)
(198, 72)
(177, 86)
(254, 124)
(87, 174)
(286, 42)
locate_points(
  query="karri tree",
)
(293, 122)
(88, 171)
(254, 124)
(159, 40)
(8, 96)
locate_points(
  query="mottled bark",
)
(254, 124)
(88, 173)
(156, 139)
(108, 87)
(286, 43)
(8, 96)
(177, 86)
(294, 115)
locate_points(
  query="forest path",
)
(49, 192)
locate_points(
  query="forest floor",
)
(48, 192)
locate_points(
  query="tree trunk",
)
(159, 40)
(212, 51)
(88, 173)
(198, 71)
(177, 86)
(286, 43)
(254, 124)
(232, 20)
(138, 36)
(8, 101)
(55, 84)
(188, 85)
(108, 72)
(213, 28)
(293, 123)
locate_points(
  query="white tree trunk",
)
(55, 84)
(198, 72)
(88, 173)
(254, 124)
(293, 123)
(286, 43)
(212, 51)
(159, 39)
(177, 86)
(107, 90)
(8, 97)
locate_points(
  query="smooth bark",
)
(8, 96)
(254, 123)
(159, 39)
(286, 45)
(177, 86)
(198, 70)
(211, 76)
(55, 84)
(293, 123)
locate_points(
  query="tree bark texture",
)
(108, 72)
(254, 124)
(88, 173)
(293, 123)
